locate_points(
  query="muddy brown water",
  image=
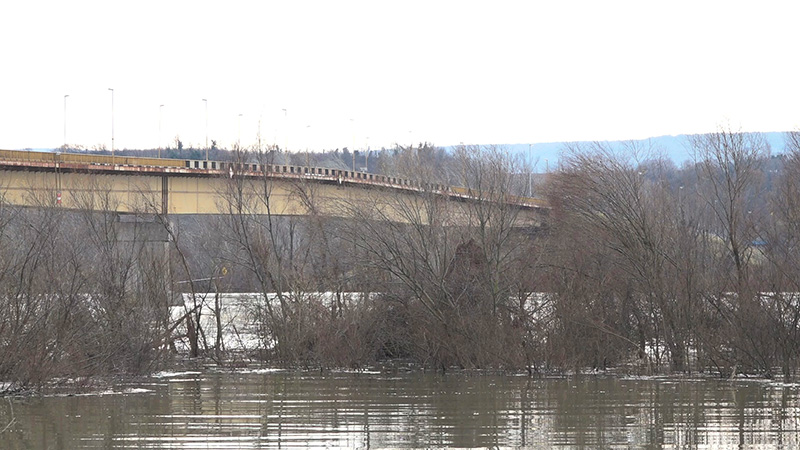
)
(294, 409)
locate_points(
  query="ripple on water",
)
(259, 409)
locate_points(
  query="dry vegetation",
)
(642, 265)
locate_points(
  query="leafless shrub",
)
(77, 300)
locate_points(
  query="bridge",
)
(169, 186)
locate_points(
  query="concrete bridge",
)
(168, 186)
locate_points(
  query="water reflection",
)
(259, 410)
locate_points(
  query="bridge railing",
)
(222, 168)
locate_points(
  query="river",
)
(266, 409)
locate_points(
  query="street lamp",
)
(259, 133)
(112, 124)
(366, 156)
(239, 139)
(353, 130)
(160, 108)
(530, 172)
(65, 121)
(206, 102)
(286, 129)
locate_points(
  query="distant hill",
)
(547, 154)
(675, 148)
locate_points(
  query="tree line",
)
(691, 269)
(639, 265)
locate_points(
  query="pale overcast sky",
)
(378, 72)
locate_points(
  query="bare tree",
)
(620, 200)
(730, 173)
(780, 276)
(509, 247)
(265, 244)
(75, 300)
(449, 267)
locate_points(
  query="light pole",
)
(366, 156)
(160, 108)
(206, 102)
(239, 139)
(259, 133)
(286, 130)
(112, 124)
(65, 121)
(530, 172)
(530, 183)
(353, 130)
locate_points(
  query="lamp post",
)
(206, 103)
(286, 130)
(112, 124)
(160, 108)
(353, 130)
(239, 139)
(366, 156)
(530, 171)
(259, 133)
(65, 121)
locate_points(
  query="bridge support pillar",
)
(149, 234)
(164, 196)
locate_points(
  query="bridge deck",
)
(125, 165)
(167, 186)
